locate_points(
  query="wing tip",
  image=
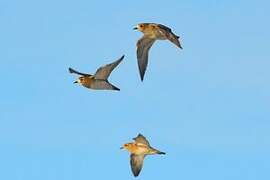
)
(115, 88)
(70, 70)
(137, 136)
(122, 57)
(136, 172)
(142, 75)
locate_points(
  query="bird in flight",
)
(152, 32)
(139, 149)
(99, 80)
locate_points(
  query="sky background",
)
(207, 106)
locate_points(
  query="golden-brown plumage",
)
(152, 32)
(139, 149)
(86, 81)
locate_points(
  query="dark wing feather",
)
(141, 139)
(170, 35)
(143, 46)
(136, 163)
(164, 27)
(105, 71)
(77, 72)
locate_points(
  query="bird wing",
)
(141, 139)
(143, 46)
(105, 71)
(103, 85)
(164, 27)
(169, 35)
(77, 72)
(136, 163)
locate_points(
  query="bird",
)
(98, 81)
(152, 32)
(139, 149)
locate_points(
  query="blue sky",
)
(207, 106)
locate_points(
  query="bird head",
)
(79, 80)
(140, 27)
(126, 146)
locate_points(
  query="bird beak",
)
(75, 82)
(121, 147)
(135, 28)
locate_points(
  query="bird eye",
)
(141, 26)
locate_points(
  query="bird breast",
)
(138, 149)
(87, 82)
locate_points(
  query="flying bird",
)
(152, 32)
(139, 149)
(99, 80)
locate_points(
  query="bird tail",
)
(159, 152)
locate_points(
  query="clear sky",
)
(207, 106)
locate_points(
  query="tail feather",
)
(159, 152)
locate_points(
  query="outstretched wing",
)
(103, 85)
(136, 163)
(77, 72)
(141, 139)
(105, 71)
(143, 46)
(169, 35)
